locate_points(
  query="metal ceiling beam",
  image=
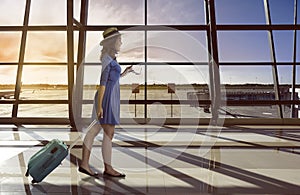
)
(219, 27)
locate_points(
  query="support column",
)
(80, 61)
(146, 56)
(273, 58)
(21, 60)
(70, 47)
(215, 85)
(293, 97)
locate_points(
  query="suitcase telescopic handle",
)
(79, 137)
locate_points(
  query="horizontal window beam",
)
(232, 27)
(35, 63)
(208, 102)
(168, 121)
(33, 28)
(149, 27)
(13, 101)
(155, 63)
(257, 27)
(34, 121)
(177, 102)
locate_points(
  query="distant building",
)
(243, 92)
(7, 94)
(257, 92)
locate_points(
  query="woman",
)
(106, 104)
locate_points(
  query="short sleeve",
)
(106, 66)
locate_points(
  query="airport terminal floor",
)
(161, 160)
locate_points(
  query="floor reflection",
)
(243, 160)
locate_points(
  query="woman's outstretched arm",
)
(127, 70)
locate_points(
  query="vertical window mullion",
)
(293, 109)
(21, 59)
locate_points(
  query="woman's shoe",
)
(111, 175)
(82, 170)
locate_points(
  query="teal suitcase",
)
(46, 160)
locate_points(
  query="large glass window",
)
(8, 75)
(165, 12)
(243, 46)
(284, 47)
(46, 47)
(132, 49)
(173, 65)
(162, 74)
(298, 46)
(12, 12)
(240, 12)
(45, 12)
(133, 46)
(43, 110)
(9, 46)
(285, 73)
(257, 84)
(116, 12)
(255, 75)
(298, 15)
(44, 82)
(298, 75)
(177, 82)
(7, 88)
(177, 46)
(282, 12)
(76, 10)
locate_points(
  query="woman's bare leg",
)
(87, 146)
(108, 135)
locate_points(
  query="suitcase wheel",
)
(33, 181)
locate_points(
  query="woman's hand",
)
(100, 112)
(128, 68)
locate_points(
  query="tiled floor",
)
(162, 160)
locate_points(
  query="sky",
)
(250, 46)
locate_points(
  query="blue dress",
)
(110, 75)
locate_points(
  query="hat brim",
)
(107, 38)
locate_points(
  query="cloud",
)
(43, 47)
(115, 12)
(8, 74)
(243, 46)
(48, 12)
(46, 46)
(44, 74)
(176, 12)
(12, 12)
(9, 47)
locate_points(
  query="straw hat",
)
(109, 33)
